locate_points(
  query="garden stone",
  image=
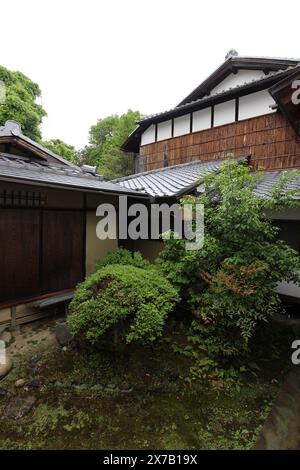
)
(81, 387)
(33, 369)
(2, 329)
(57, 383)
(36, 382)
(98, 388)
(19, 383)
(19, 407)
(5, 368)
(36, 358)
(126, 388)
(4, 393)
(111, 387)
(63, 335)
(6, 337)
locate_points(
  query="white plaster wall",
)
(288, 288)
(202, 119)
(289, 213)
(239, 78)
(255, 104)
(224, 113)
(164, 130)
(182, 125)
(148, 136)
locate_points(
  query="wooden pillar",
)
(13, 312)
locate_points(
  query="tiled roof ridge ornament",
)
(231, 53)
(11, 127)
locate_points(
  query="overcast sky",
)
(94, 58)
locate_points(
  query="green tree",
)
(62, 149)
(21, 103)
(230, 283)
(105, 140)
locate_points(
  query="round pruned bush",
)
(131, 301)
(124, 257)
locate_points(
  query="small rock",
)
(81, 387)
(6, 337)
(126, 388)
(19, 383)
(4, 393)
(5, 368)
(33, 369)
(2, 329)
(36, 358)
(111, 387)
(57, 383)
(36, 382)
(98, 388)
(63, 335)
(19, 407)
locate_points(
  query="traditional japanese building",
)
(48, 221)
(248, 109)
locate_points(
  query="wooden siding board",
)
(269, 139)
(19, 253)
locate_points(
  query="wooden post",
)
(13, 312)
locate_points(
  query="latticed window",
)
(13, 198)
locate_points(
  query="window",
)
(12, 198)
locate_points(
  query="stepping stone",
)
(6, 337)
(63, 335)
(19, 407)
(98, 388)
(6, 367)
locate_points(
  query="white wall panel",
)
(182, 125)
(241, 77)
(164, 130)
(202, 119)
(148, 136)
(255, 104)
(224, 113)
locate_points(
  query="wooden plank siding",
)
(41, 251)
(269, 140)
(19, 253)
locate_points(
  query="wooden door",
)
(19, 254)
(63, 250)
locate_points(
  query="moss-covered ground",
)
(164, 410)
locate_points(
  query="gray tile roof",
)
(263, 78)
(169, 181)
(15, 168)
(176, 180)
(13, 129)
(270, 179)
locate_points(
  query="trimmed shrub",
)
(133, 301)
(124, 257)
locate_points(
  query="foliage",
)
(106, 138)
(124, 257)
(62, 149)
(21, 103)
(126, 297)
(46, 419)
(229, 284)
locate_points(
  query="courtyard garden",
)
(185, 353)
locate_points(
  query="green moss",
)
(189, 417)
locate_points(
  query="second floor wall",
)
(269, 139)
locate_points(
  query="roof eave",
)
(34, 182)
(230, 66)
